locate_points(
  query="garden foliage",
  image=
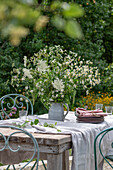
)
(16, 18)
(92, 99)
(96, 45)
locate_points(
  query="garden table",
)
(53, 148)
(54, 145)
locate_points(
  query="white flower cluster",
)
(58, 85)
(27, 73)
(58, 74)
(42, 66)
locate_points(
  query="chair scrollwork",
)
(99, 147)
(11, 103)
(6, 141)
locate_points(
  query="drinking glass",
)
(109, 109)
(99, 106)
(23, 114)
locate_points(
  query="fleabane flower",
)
(42, 66)
(58, 84)
(27, 73)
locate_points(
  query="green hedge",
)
(96, 44)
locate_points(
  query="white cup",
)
(22, 114)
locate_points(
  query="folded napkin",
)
(89, 113)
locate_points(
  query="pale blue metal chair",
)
(6, 141)
(11, 103)
(100, 137)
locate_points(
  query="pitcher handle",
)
(67, 109)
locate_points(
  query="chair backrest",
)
(11, 103)
(100, 138)
(5, 144)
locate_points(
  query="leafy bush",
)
(97, 42)
(93, 23)
(7, 56)
(96, 46)
(10, 54)
(91, 99)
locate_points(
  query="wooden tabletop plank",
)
(48, 139)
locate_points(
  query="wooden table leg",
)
(54, 162)
(65, 160)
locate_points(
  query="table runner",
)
(83, 135)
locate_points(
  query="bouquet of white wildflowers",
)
(58, 74)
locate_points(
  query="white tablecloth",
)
(83, 135)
